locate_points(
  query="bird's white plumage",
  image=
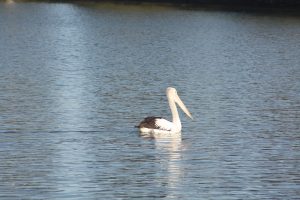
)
(153, 126)
(164, 124)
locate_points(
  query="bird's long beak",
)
(182, 106)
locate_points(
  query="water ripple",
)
(76, 78)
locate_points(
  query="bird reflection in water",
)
(170, 156)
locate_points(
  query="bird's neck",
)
(175, 116)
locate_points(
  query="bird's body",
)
(158, 125)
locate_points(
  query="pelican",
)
(158, 125)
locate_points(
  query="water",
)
(76, 78)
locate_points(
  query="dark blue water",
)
(76, 78)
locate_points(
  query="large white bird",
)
(158, 125)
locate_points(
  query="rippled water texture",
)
(75, 79)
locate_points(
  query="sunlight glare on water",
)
(76, 78)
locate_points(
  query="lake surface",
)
(76, 78)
